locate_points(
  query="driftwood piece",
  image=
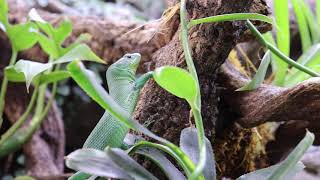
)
(270, 103)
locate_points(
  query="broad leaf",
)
(80, 52)
(263, 174)
(190, 145)
(22, 36)
(95, 162)
(31, 69)
(48, 46)
(177, 81)
(52, 41)
(15, 76)
(260, 75)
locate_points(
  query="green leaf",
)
(231, 17)
(281, 11)
(24, 178)
(293, 158)
(311, 59)
(123, 160)
(311, 21)
(177, 81)
(52, 41)
(190, 145)
(31, 69)
(22, 36)
(48, 45)
(161, 161)
(55, 76)
(61, 33)
(154, 155)
(318, 11)
(260, 75)
(302, 24)
(263, 174)
(80, 52)
(95, 162)
(16, 76)
(3, 11)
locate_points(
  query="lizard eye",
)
(129, 56)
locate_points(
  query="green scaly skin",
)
(123, 87)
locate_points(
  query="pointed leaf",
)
(61, 33)
(48, 45)
(263, 174)
(123, 160)
(189, 144)
(161, 161)
(302, 25)
(95, 162)
(293, 158)
(16, 76)
(260, 75)
(22, 36)
(31, 69)
(177, 81)
(80, 52)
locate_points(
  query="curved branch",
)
(270, 103)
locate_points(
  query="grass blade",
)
(231, 17)
(260, 75)
(281, 11)
(302, 25)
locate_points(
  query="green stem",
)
(278, 53)
(231, 17)
(196, 107)
(22, 135)
(21, 120)
(5, 84)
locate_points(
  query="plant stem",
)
(21, 120)
(278, 53)
(5, 84)
(195, 105)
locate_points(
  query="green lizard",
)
(124, 87)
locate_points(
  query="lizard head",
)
(126, 66)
